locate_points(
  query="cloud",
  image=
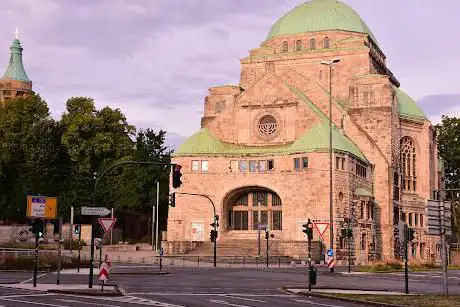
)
(155, 60)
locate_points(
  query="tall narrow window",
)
(408, 164)
(327, 43)
(285, 46)
(296, 164)
(312, 43)
(298, 45)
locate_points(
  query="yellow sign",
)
(41, 207)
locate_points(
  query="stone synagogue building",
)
(264, 145)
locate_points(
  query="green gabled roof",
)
(363, 192)
(407, 106)
(15, 70)
(316, 139)
(320, 15)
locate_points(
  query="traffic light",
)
(172, 199)
(213, 235)
(267, 234)
(346, 232)
(37, 228)
(176, 182)
(308, 229)
(410, 234)
(98, 231)
(77, 229)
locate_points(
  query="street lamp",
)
(331, 213)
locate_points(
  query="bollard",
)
(198, 261)
(279, 261)
(244, 261)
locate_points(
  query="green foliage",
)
(449, 150)
(41, 156)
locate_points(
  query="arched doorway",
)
(250, 207)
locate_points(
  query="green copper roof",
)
(320, 15)
(15, 68)
(363, 192)
(314, 140)
(407, 106)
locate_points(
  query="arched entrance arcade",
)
(247, 208)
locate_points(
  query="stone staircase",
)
(228, 247)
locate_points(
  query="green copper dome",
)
(320, 15)
(407, 106)
(15, 70)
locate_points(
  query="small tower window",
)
(285, 46)
(298, 45)
(327, 44)
(312, 43)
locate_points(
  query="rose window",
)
(267, 125)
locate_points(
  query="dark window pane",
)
(244, 220)
(276, 200)
(276, 220)
(305, 162)
(271, 164)
(237, 220)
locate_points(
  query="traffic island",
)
(378, 298)
(76, 289)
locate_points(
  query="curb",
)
(118, 292)
(141, 273)
(343, 299)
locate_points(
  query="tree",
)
(449, 150)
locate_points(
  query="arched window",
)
(298, 45)
(312, 43)
(327, 43)
(408, 164)
(245, 210)
(285, 46)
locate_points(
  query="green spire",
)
(15, 68)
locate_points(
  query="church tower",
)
(15, 83)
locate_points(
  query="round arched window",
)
(267, 125)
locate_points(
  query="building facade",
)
(15, 83)
(262, 154)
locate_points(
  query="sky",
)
(156, 59)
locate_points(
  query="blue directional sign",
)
(330, 252)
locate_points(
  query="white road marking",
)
(129, 299)
(29, 279)
(244, 298)
(25, 295)
(85, 303)
(227, 303)
(33, 303)
(210, 293)
(317, 304)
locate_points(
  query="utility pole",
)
(111, 231)
(259, 214)
(71, 231)
(153, 228)
(58, 273)
(445, 288)
(157, 216)
(267, 235)
(406, 268)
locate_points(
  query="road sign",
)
(161, 251)
(330, 252)
(435, 220)
(104, 271)
(321, 227)
(107, 223)
(98, 211)
(330, 262)
(41, 207)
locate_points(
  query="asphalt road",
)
(219, 287)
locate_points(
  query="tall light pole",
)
(331, 212)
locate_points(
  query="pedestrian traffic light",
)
(77, 229)
(37, 228)
(172, 199)
(213, 235)
(308, 229)
(267, 234)
(410, 234)
(176, 182)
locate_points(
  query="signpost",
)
(41, 207)
(95, 211)
(104, 272)
(107, 223)
(321, 227)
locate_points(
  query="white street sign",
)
(97, 211)
(434, 219)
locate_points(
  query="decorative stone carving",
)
(267, 125)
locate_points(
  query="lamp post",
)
(331, 213)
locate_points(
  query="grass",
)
(397, 266)
(403, 300)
